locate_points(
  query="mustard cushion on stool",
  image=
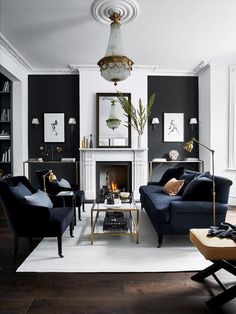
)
(213, 248)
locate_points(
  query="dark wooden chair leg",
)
(79, 212)
(83, 208)
(59, 243)
(71, 229)
(160, 239)
(202, 274)
(222, 298)
(16, 245)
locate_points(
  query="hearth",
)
(113, 176)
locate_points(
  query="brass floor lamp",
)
(51, 178)
(188, 146)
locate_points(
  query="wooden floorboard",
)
(103, 293)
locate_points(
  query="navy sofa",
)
(190, 208)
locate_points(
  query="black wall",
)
(53, 94)
(174, 94)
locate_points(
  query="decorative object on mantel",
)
(90, 141)
(174, 154)
(115, 66)
(85, 142)
(188, 146)
(139, 116)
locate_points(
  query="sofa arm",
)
(197, 207)
(154, 183)
(58, 201)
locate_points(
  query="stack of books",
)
(115, 221)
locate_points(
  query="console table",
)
(200, 164)
(47, 164)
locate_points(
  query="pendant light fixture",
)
(115, 66)
(113, 122)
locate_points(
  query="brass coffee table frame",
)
(125, 207)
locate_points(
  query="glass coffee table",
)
(129, 213)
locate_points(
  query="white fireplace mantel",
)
(89, 157)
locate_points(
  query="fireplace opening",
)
(113, 176)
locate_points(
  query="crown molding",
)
(4, 42)
(149, 69)
(224, 59)
(201, 67)
(54, 71)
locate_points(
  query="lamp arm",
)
(44, 181)
(211, 150)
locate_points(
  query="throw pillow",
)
(63, 183)
(39, 199)
(20, 191)
(173, 186)
(187, 177)
(199, 189)
(170, 173)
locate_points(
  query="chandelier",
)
(113, 122)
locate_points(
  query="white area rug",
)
(114, 253)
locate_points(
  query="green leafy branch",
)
(138, 117)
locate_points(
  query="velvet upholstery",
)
(174, 215)
(30, 221)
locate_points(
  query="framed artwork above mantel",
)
(54, 127)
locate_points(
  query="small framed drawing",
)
(173, 127)
(54, 127)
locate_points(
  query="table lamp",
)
(51, 178)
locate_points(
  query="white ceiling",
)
(172, 34)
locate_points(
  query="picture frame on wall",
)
(54, 127)
(173, 127)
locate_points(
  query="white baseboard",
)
(232, 200)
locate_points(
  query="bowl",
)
(124, 195)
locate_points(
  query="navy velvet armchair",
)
(31, 214)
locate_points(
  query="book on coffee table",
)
(65, 193)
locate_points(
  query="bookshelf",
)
(5, 126)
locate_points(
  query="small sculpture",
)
(174, 154)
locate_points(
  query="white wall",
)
(220, 121)
(19, 75)
(91, 83)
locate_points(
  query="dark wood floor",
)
(101, 293)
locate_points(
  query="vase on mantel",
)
(139, 141)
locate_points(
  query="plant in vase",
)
(139, 116)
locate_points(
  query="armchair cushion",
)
(39, 199)
(20, 191)
(63, 183)
(199, 189)
(170, 173)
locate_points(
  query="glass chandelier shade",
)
(115, 66)
(113, 122)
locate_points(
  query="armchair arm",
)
(58, 201)
(154, 183)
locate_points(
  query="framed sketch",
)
(173, 127)
(54, 127)
(112, 128)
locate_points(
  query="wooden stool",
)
(222, 253)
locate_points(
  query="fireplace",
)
(113, 175)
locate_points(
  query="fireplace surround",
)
(89, 157)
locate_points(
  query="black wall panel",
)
(53, 94)
(174, 94)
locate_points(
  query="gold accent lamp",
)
(51, 178)
(188, 146)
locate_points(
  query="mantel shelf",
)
(112, 149)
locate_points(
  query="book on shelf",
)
(159, 159)
(68, 159)
(65, 193)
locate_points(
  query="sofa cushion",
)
(187, 177)
(199, 189)
(170, 173)
(157, 206)
(173, 186)
(20, 191)
(39, 199)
